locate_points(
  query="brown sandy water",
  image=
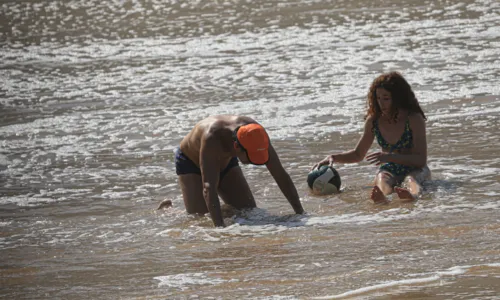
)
(96, 95)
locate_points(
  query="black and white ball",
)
(324, 181)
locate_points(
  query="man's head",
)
(253, 142)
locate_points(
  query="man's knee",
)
(195, 205)
(196, 210)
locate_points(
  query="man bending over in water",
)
(207, 165)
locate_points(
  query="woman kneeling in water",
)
(395, 119)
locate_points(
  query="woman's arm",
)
(355, 155)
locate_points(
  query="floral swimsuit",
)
(405, 142)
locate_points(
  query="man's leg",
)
(234, 189)
(383, 185)
(192, 193)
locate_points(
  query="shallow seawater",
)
(97, 94)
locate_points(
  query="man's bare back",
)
(222, 127)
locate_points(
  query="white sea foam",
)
(188, 280)
(4, 160)
(369, 289)
(118, 237)
(259, 222)
(25, 200)
(420, 281)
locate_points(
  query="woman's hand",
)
(327, 161)
(377, 158)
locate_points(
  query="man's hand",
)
(165, 204)
(301, 211)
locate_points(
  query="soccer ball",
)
(324, 181)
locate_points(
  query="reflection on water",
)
(96, 95)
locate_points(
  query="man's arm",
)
(283, 180)
(209, 165)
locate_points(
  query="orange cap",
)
(254, 139)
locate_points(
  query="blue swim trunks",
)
(183, 165)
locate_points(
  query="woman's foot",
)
(404, 194)
(378, 196)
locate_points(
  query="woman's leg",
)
(383, 185)
(413, 184)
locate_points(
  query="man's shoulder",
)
(215, 128)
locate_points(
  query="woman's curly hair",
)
(401, 93)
